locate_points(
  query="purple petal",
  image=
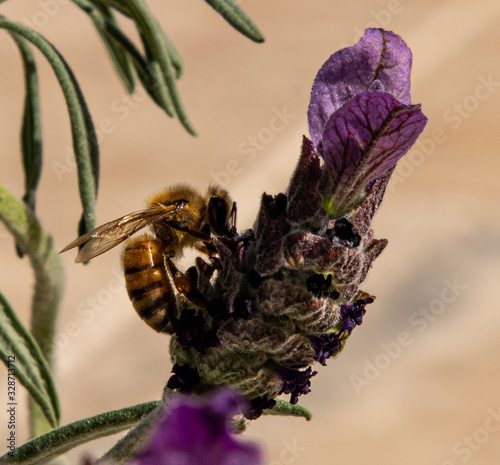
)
(295, 382)
(362, 141)
(381, 60)
(325, 345)
(195, 432)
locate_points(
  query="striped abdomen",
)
(148, 284)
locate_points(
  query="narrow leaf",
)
(175, 56)
(18, 347)
(285, 408)
(83, 132)
(42, 449)
(153, 83)
(118, 56)
(157, 51)
(117, 4)
(237, 18)
(154, 74)
(31, 132)
(86, 223)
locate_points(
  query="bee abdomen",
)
(148, 284)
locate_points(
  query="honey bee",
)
(179, 217)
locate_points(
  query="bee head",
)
(220, 211)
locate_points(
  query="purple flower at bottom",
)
(197, 432)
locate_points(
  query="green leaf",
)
(153, 83)
(90, 183)
(18, 347)
(237, 18)
(118, 4)
(285, 408)
(175, 56)
(158, 54)
(118, 55)
(152, 76)
(31, 132)
(42, 449)
(177, 62)
(82, 129)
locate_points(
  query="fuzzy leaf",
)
(158, 53)
(153, 83)
(30, 367)
(31, 132)
(83, 132)
(41, 450)
(304, 200)
(285, 408)
(236, 17)
(118, 55)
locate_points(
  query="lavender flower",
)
(360, 116)
(195, 432)
(285, 294)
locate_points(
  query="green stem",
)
(37, 244)
(132, 443)
(44, 448)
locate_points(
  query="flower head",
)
(286, 293)
(361, 118)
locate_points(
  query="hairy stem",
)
(37, 244)
(44, 448)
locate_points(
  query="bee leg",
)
(207, 249)
(185, 287)
(182, 227)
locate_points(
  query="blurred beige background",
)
(419, 382)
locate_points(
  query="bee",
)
(179, 217)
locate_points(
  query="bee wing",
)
(109, 235)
